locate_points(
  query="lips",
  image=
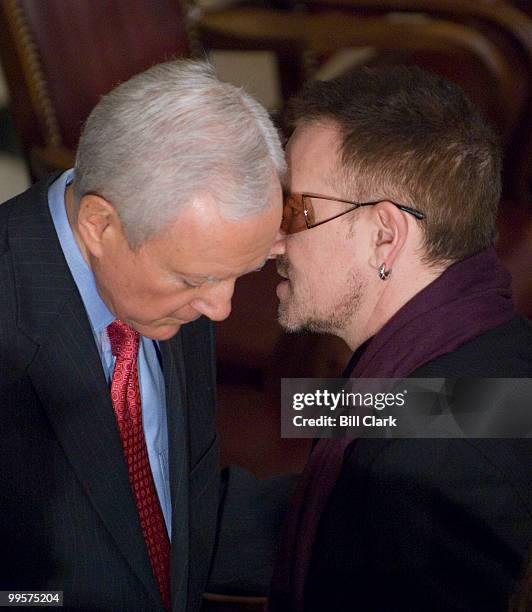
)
(282, 290)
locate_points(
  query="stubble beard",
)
(296, 314)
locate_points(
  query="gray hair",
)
(164, 137)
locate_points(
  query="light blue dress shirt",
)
(151, 378)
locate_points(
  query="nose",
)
(215, 300)
(279, 246)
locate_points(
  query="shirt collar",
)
(99, 314)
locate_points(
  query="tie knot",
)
(124, 340)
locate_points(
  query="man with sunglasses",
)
(389, 222)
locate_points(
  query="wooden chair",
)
(228, 603)
(60, 57)
(328, 32)
(511, 31)
(491, 35)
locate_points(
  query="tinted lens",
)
(293, 214)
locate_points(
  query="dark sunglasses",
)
(301, 211)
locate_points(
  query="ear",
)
(97, 223)
(391, 231)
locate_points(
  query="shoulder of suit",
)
(502, 352)
(14, 212)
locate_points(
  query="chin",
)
(164, 332)
(287, 320)
(293, 321)
(158, 332)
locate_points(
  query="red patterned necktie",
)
(125, 394)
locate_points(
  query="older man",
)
(109, 472)
(394, 182)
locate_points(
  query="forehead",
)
(313, 156)
(202, 242)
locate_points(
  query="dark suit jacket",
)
(431, 525)
(67, 515)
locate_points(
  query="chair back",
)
(60, 57)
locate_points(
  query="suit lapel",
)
(188, 364)
(203, 494)
(68, 377)
(175, 383)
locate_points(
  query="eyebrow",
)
(201, 278)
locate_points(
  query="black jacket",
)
(431, 525)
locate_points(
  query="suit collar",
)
(99, 314)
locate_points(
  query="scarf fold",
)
(469, 298)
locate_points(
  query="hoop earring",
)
(384, 273)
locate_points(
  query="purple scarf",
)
(469, 298)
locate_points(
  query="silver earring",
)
(384, 273)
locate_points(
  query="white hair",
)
(158, 141)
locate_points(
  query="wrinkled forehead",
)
(201, 241)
